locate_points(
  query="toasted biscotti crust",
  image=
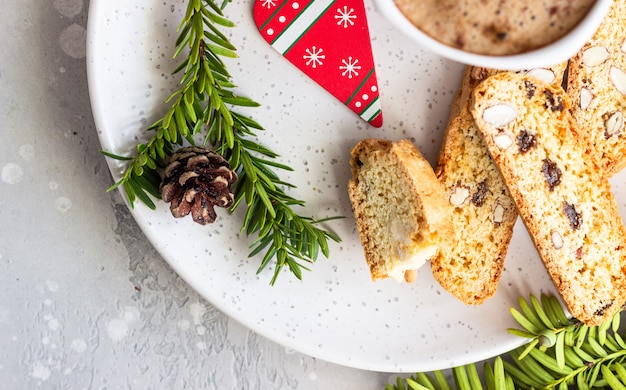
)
(564, 199)
(597, 86)
(484, 213)
(398, 204)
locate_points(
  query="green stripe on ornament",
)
(300, 25)
(371, 110)
(358, 88)
(272, 16)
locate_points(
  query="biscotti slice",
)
(484, 213)
(555, 179)
(597, 86)
(400, 209)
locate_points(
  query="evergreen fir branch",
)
(205, 104)
(562, 354)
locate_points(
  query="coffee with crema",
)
(495, 27)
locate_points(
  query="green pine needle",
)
(206, 104)
(577, 356)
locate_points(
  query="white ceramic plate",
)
(336, 313)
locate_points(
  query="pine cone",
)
(196, 180)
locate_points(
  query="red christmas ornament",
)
(329, 41)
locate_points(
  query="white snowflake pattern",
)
(268, 3)
(345, 16)
(314, 57)
(350, 67)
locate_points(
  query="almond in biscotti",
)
(613, 124)
(499, 114)
(568, 208)
(594, 56)
(557, 239)
(543, 74)
(586, 97)
(597, 82)
(459, 195)
(498, 213)
(503, 140)
(618, 78)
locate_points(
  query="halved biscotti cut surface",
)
(597, 86)
(560, 191)
(400, 209)
(484, 213)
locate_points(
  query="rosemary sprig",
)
(204, 105)
(562, 354)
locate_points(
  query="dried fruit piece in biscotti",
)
(484, 213)
(561, 194)
(597, 86)
(400, 209)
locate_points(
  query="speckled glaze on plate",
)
(336, 313)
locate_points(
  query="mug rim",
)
(558, 51)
